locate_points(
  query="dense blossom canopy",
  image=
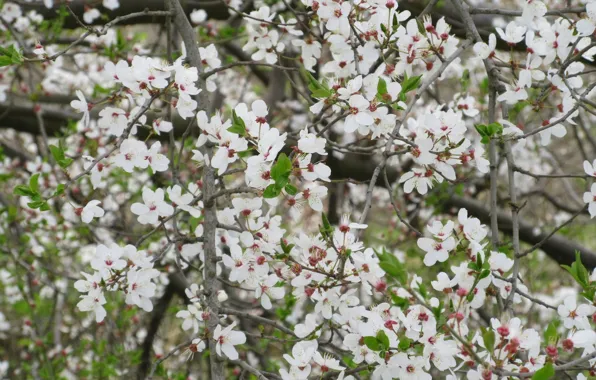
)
(305, 189)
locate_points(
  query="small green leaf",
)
(321, 93)
(57, 153)
(23, 191)
(410, 84)
(317, 89)
(372, 343)
(404, 343)
(35, 204)
(394, 271)
(488, 335)
(59, 190)
(10, 56)
(33, 182)
(544, 373)
(550, 335)
(291, 189)
(64, 163)
(281, 167)
(382, 87)
(383, 339)
(326, 225)
(238, 127)
(271, 191)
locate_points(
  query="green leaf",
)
(383, 339)
(578, 271)
(287, 248)
(326, 225)
(515, 110)
(495, 129)
(481, 129)
(59, 190)
(33, 182)
(61, 159)
(281, 167)
(410, 84)
(381, 87)
(23, 191)
(372, 343)
(399, 273)
(10, 56)
(317, 89)
(238, 127)
(280, 172)
(35, 204)
(271, 191)
(545, 372)
(291, 189)
(321, 93)
(484, 274)
(400, 302)
(550, 334)
(404, 343)
(488, 335)
(465, 80)
(5, 61)
(64, 163)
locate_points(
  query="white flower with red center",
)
(197, 345)
(160, 125)
(586, 26)
(410, 368)
(132, 154)
(436, 250)
(238, 263)
(421, 151)
(91, 282)
(182, 201)
(229, 147)
(314, 196)
(152, 208)
(512, 34)
(94, 302)
(82, 106)
(191, 317)
(443, 283)
(302, 353)
(156, 160)
(485, 51)
(327, 362)
(141, 288)
(90, 211)
(500, 262)
(358, 113)
(108, 260)
(267, 290)
(575, 316)
(149, 74)
(417, 178)
(226, 340)
(115, 120)
(439, 230)
(311, 143)
(249, 208)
